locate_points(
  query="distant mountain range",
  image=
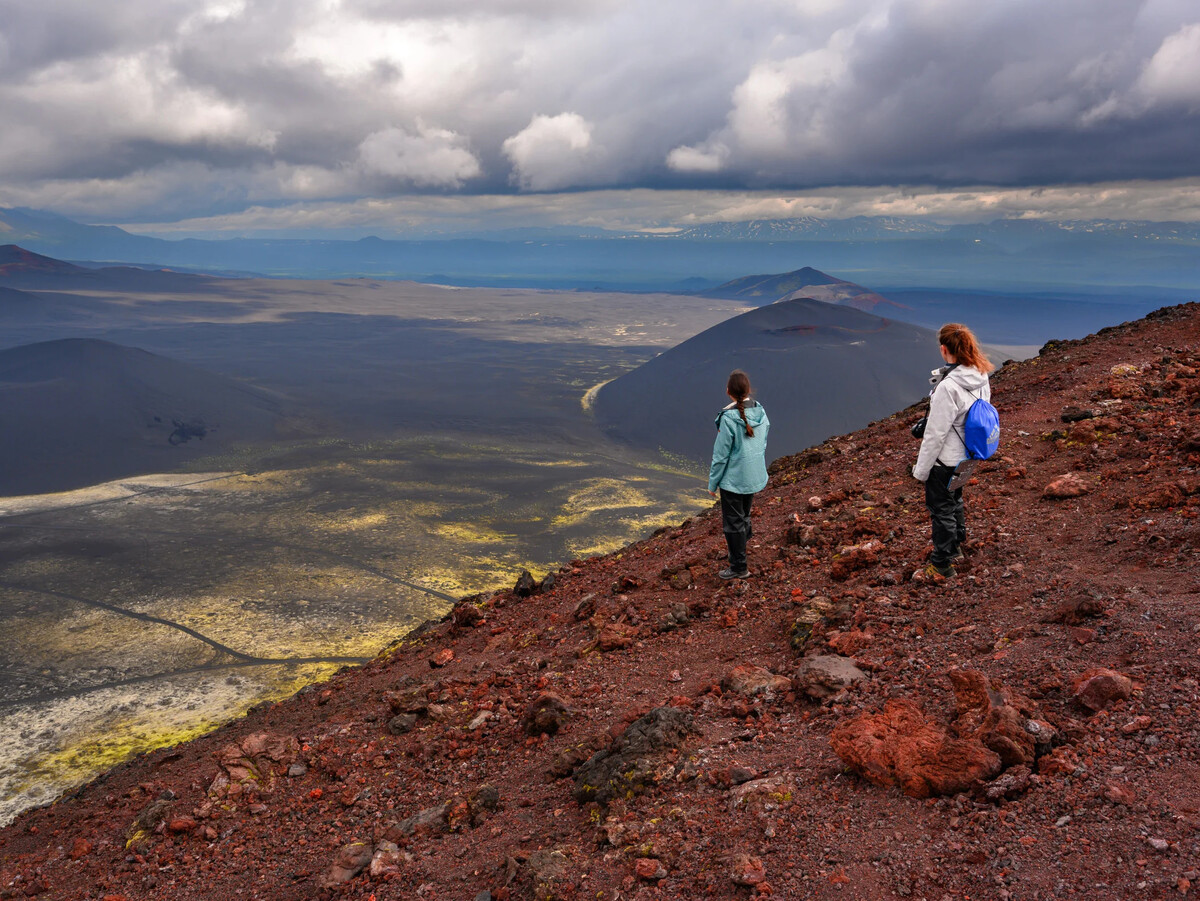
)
(820, 369)
(885, 251)
(78, 411)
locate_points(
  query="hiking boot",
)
(728, 574)
(932, 570)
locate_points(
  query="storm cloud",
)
(169, 109)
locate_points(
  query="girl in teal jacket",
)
(739, 468)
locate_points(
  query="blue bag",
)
(981, 430)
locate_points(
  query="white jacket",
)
(948, 404)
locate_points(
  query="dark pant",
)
(945, 513)
(735, 522)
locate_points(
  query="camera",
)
(918, 429)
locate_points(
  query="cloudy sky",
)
(390, 115)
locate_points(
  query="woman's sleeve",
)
(937, 428)
(722, 448)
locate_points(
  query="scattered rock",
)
(466, 615)
(1137, 724)
(823, 677)
(628, 765)
(1066, 486)
(296, 770)
(482, 801)
(1077, 610)
(763, 794)
(387, 859)
(349, 861)
(585, 608)
(1011, 784)
(429, 821)
(1099, 687)
(441, 658)
(526, 585)
(1119, 793)
(649, 870)
(751, 681)
(414, 699)
(616, 636)
(81, 848)
(402, 724)
(745, 870)
(545, 715)
(1076, 414)
(854, 558)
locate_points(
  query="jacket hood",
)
(755, 413)
(968, 377)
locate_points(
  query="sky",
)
(396, 116)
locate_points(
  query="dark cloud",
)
(295, 100)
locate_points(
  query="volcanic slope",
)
(819, 369)
(78, 411)
(642, 729)
(807, 282)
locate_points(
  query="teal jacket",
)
(739, 464)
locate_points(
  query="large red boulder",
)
(901, 746)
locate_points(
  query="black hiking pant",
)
(735, 523)
(945, 513)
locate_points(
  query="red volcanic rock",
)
(181, 825)
(1098, 688)
(1118, 793)
(81, 848)
(746, 870)
(854, 558)
(901, 746)
(349, 861)
(441, 658)
(649, 870)
(545, 715)
(994, 717)
(465, 615)
(823, 677)
(850, 643)
(748, 681)
(1066, 486)
(616, 636)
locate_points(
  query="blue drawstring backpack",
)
(981, 430)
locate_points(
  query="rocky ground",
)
(831, 728)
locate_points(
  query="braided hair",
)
(738, 387)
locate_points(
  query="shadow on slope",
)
(75, 412)
(819, 369)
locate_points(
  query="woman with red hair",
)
(955, 387)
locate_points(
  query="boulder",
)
(1097, 688)
(526, 585)
(1066, 486)
(387, 859)
(823, 677)
(988, 713)
(629, 764)
(349, 861)
(750, 681)
(901, 746)
(616, 636)
(746, 870)
(466, 615)
(545, 714)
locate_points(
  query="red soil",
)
(755, 802)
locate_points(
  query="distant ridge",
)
(803, 283)
(79, 411)
(23, 268)
(819, 368)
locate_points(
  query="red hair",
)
(960, 341)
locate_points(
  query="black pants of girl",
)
(735, 522)
(945, 513)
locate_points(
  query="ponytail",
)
(738, 387)
(960, 341)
